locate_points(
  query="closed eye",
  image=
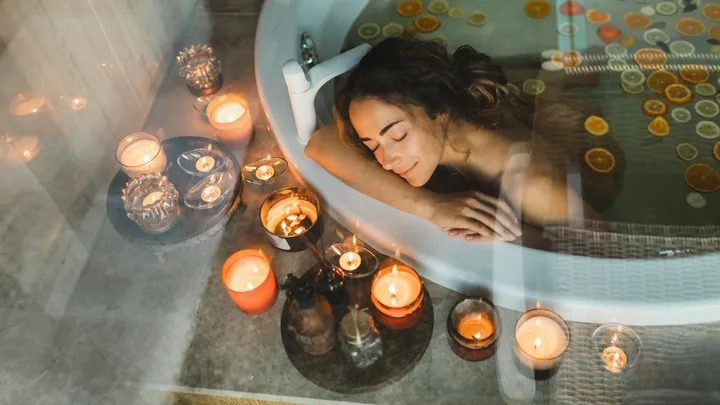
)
(402, 137)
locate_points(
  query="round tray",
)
(402, 350)
(194, 226)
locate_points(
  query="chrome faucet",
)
(308, 55)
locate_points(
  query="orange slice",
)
(596, 125)
(597, 16)
(654, 107)
(703, 178)
(600, 160)
(650, 58)
(410, 8)
(627, 41)
(572, 8)
(637, 21)
(537, 9)
(427, 23)
(659, 80)
(659, 127)
(694, 74)
(714, 32)
(712, 12)
(716, 151)
(608, 33)
(569, 59)
(689, 27)
(678, 94)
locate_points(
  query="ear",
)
(443, 118)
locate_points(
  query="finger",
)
(501, 204)
(461, 233)
(490, 222)
(502, 219)
(473, 225)
(478, 238)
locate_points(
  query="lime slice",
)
(533, 87)
(636, 89)
(707, 108)
(548, 54)
(567, 29)
(686, 151)
(705, 89)
(707, 129)
(666, 8)
(615, 50)
(438, 7)
(456, 12)
(632, 77)
(681, 114)
(513, 89)
(393, 30)
(648, 11)
(695, 200)
(682, 48)
(618, 65)
(368, 31)
(652, 36)
(552, 66)
(477, 18)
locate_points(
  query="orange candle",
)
(473, 328)
(250, 281)
(397, 296)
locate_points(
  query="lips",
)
(405, 173)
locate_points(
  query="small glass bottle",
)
(359, 339)
(310, 318)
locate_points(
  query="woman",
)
(412, 108)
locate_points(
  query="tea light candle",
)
(151, 198)
(473, 328)
(264, 173)
(205, 163)
(78, 103)
(350, 261)
(22, 104)
(210, 193)
(614, 359)
(249, 281)
(541, 338)
(397, 295)
(230, 117)
(141, 153)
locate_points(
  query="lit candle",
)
(289, 217)
(541, 338)
(205, 164)
(614, 359)
(476, 327)
(397, 294)
(23, 104)
(230, 117)
(249, 280)
(473, 328)
(141, 153)
(350, 261)
(151, 198)
(210, 193)
(264, 173)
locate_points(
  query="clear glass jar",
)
(151, 201)
(141, 153)
(360, 340)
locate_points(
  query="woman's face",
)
(404, 140)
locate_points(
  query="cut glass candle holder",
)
(264, 171)
(151, 201)
(201, 70)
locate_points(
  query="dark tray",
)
(402, 350)
(193, 226)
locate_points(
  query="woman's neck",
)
(462, 143)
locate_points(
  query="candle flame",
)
(614, 339)
(336, 250)
(394, 270)
(477, 336)
(27, 152)
(255, 269)
(393, 301)
(299, 230)
(616, 357)
(250, 286)
(287, 211)
(392, 289)
(354, 240)
(268, 157)
(537, 343)
(146, 158)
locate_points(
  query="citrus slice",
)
(368, 31)
(678, 94)
(648, 11)
(427, 23)
(596, 125)
(686, 151)
(655, 35)
(716, 151)
(477, 18)
(712, 12)
(569, 59)
(572, 8)
(533, 87)
(618, 65)
(707, 129)
(631, 89)
(715, 49)
(659, 80)
(438, 7)
(690, 27)
(627, 41)
(659, 127)
(650, 58)
(654, 107)
(682, 48)
(680, 114)
(695, 200)
(707, 108)
(567, 29)
(615, 50)
(714, 32)
(552, 66)
(632, 77)
(456, 12)
(705, 89)
(597, 16)
(666, 8)
(600, 160)
(637, 20)
(410, 8)
(548, 53)
(701, 177)
(608, 33)
(537, 9)
(393, 30)
(694, 73)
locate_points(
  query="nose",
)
(389, 158)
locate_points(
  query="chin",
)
(418, 180)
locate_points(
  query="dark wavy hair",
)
(467, 86)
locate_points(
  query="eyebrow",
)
(383, 131)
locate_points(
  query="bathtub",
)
(584, 289)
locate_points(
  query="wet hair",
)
(399, 71)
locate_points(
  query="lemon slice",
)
(705, 89)
(631, 89)
(686, 151)
(533, 87)
(648, 11)
(438, 7)
(477, 18)
(368, 31)
(652, 36)
(552, 66)
(707, 108)
(393, 30)
(567, 29)
(666, 8)
(632, 77)
(618, 65)
(680, 114)
(695, 200)
(707, 129)
(615, 50)
(456, 12)
(548, 53)
(682, 48)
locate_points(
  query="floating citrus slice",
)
(707, 129)
(427, 23)
(537, 9)
(631, 89)
(678, 94)
(627, 41)
(393, 30)
(608, 33)
(715, 49)
(569, 59)
(695, 200)
(650, 58)
(690, 27)
(686, 151)
(659, 127)
(655, 35)
(597, 16)
(714, 32)
(600, 160)
(438, 7)
(705, 89)
(533, 87)
(659, 80)
(632, 77)
(618, 65)
(552, 66)
(648, 11)
(637, 20)
(368, 31)
(682, 48)
(716, 151)
(694, 74)
(477, 18)
(567, 29)
(712, 12)
(666, 8)
(410, 8)
(707, 108)
(572, 8)
(654, 107)
(615, 50)
(456, 12)
(680, 114)
(596, 125)
(701, 177)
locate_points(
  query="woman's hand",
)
(475, 216)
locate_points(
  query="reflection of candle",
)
(22, 104)
(151, 198)
(27, 146)
(141, 153)
(291, 217)
(264, 173)
(541, 338)
(397, 294)
(210, 193)
(205, 163)
(614, 359)
(230, 117)
(250, 281)
(78, 103)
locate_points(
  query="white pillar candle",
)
(141, 153)
(247, 274)
(541, 338)
(231, 118)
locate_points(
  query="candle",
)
(205, 163)
(290, 216)
(473, 328)
(358, 266)
(614, 359)
(350, 261)
(264, 173)
(541, 338)
(230, 117)
(476, 327)
(619, 347)
(249, 281)
(210, 193)
(397, 296)
(141, 153)
(151, 198)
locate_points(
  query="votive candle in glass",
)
(151, 201)
(473, 327)
(141, 153)
(290, 217)
(397, 296)
(358, 265)
(541, 339)
(200, 69)
(249, 279)
(231, 118)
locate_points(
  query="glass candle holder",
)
(141, 153)
(230, 116)
(151, 201)
(618, 347)
(250, 281)
(473, 327)
(397, 296)
(202, 162)
(290, 217)
(201, 70)
(358, 266)
(264, 171)
(541, 338)
(360, 340)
